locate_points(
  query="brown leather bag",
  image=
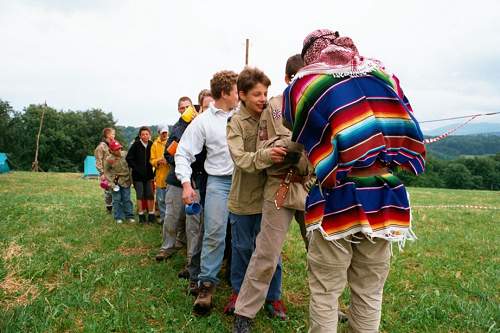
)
(282, 192)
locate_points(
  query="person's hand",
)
(188, 194)
(163, 161)
(310, 182)
(278, 154)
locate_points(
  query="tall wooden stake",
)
(34, 165)
(246, 52)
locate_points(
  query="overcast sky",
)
(136, 58)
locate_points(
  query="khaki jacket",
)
(161, 171)
(117, 167)
(246, 194)
(272, 133)
(101, 152)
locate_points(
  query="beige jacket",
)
(101, 152)
(273, 133)
(246, 194)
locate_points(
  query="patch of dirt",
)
(13, 285)
(296, 298)
(79, 324)
(12, 251)
(145, 262)
(133, 251)
(19, 291)
(101, 293)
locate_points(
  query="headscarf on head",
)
(324, 51)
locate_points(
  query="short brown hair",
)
(293, 65)
(106, 131)
(222, 81)
(204, 93)
(144, 128)
(249, 77)
(183, 99)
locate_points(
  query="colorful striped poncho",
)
(348, 122)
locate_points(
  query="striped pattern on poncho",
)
(350, 123)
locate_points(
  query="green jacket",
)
(117, 168)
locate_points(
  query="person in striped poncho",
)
(357, 126)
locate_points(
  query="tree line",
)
(68, 137)
(478, 173)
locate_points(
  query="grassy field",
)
(66, 267)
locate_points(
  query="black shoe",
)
(151, 218)
(142, 218)
(242, 324)
(193, 288)
(109, 209)
(184, 274)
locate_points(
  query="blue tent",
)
(89, 169)
(4, 163)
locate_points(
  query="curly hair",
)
(222, 81)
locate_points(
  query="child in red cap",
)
(117, 173)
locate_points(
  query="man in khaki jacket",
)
(284, 196)
(247, 188)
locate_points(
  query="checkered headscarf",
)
(324, 45)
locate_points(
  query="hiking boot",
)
(165, 254)
(203, 303)
(184, 274)
(229, 308)
(242, 324)
(142, 218)
(193, 288)
(152, 218)
(276, 309)
(119, 221)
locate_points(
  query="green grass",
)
(66, 267)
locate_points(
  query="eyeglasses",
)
(311, 41)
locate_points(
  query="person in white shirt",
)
(209, 130)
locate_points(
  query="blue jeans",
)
(122, 205)
(160, 199)
(244, 230)
(214, 236)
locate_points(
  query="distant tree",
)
(6, 114)
(456, 175)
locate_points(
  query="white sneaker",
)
(119, 221)
(130, 220)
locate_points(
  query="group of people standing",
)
(327, 147)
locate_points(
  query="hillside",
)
(458, 145)
(471, 128)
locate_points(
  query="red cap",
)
(115, 145)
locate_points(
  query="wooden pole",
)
(246, 51)
(34, 165)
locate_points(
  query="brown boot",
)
(203, 303)
(165, 254)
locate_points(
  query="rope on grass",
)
(457, 206)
